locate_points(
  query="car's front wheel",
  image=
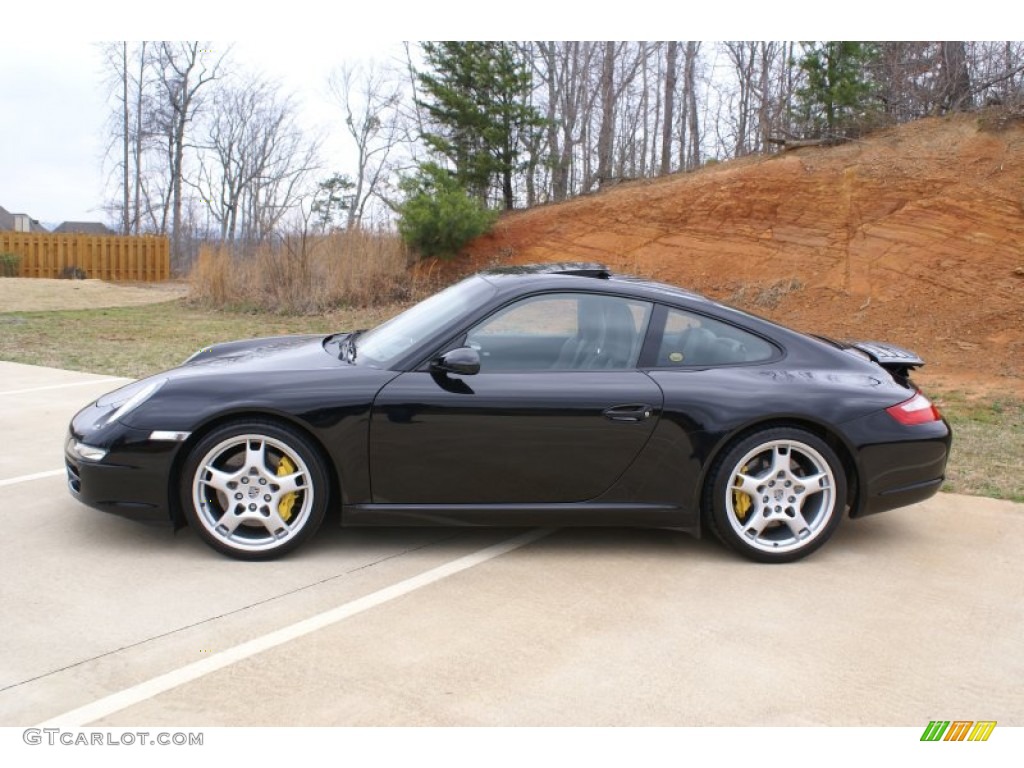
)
(254, 489)
(776, 495)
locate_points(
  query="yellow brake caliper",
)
(740, 500)
(285, 467)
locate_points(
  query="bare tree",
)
(742, 55)
(565, 70)
(689, 146)
(185, 70)
(757, 93)
(253, 159)
(128, 79)
(369, 98)
(996, 71)
(227, 166)
(770, 93)
(611, 89)
(284, 161)
(915, 79)
(606, 134)
(954, 77)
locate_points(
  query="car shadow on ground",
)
(110, 535)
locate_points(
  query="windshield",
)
(388, 342)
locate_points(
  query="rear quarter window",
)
(692, 340)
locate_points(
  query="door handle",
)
(632, 412)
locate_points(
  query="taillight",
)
(917, 410)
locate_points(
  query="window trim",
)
(656, 332)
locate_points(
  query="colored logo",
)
(958, 730)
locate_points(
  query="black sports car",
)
(557, 394)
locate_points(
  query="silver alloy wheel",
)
(241, 499)
(781, 496)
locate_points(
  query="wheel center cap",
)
(254, 492)
(779, 493)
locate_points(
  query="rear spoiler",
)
(894, 359)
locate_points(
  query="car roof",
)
(582, 276)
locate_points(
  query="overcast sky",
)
(54, 108)
(54, 112)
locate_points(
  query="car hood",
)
(297, 375)
(274, 353)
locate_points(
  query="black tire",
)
(776, 495)
(254, 489)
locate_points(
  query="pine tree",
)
(476, 94)
(838, 91)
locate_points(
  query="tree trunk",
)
(693, 128)
(606, 134)
(176, 173)
(559, 169)
(643, 108)
(137, 143)
(954, 77)
(670, 94)
(126, 136)
(764, 115)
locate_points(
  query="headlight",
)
(83, 451)
(127, 399)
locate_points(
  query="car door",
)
(556, 414)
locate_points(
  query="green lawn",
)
(988, 447)
(137, 341)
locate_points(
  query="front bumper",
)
(133, 477)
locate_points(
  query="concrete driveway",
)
(903, 618)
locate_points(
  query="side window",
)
(564, 331)
(543, 316)
(695, 340)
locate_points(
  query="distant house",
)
(22, 222)
(83, 228)
(19, 222)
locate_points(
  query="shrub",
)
(10, 264)
(438, 217)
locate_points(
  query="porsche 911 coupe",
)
(553, 395)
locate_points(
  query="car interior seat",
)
(606, 337)
(698, 347)
(579, 351)
(618, 338)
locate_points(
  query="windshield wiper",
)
(348, 350)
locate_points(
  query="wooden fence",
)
(106, 257)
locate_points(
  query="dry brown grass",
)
(764, 295)
(305, 275)
(39, 294)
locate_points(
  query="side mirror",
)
(464, 361)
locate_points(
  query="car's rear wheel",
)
(254, 489)
(776, 495)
